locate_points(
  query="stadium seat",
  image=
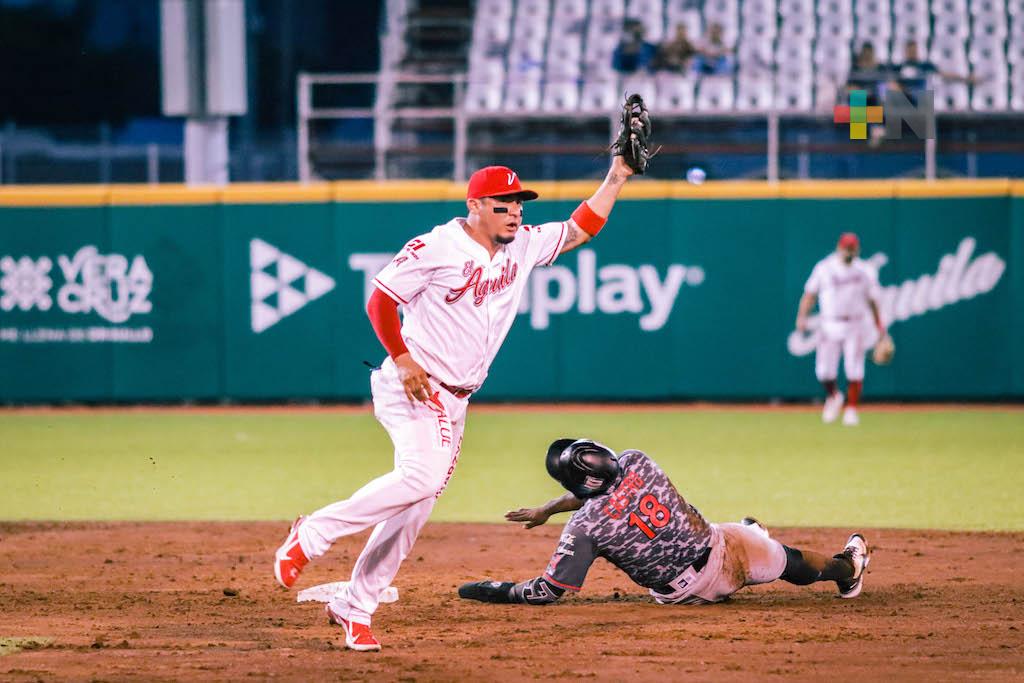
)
(793, 94)
(563, 57)
(535, 10)
(871, 9)
(755, 57)
(793, 52)
(949, 26)
(987, 8)
(526, 60)
(910, 11)
(902, 31)
(874, 31)
(483, 96)
(758, 29)
(600, 95)
(830, 9)
(597, 57)
(1017, 99)
(797, 27)
(487, 72)
(608, 9)
(758, 9)
(522, 94)
(986, 55)
(1015, 52)
(989, 27)
(951, 97)
(950, 8)
(561, 96)
(791, 8)
(989, 96)
(675, 92)
(948, 54)
(715, 94)
(721, 11)
(753, 94)
(494, 9)
(836, 28)
(832, 59)
(642, 84)
(826, 94)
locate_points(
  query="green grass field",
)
(927, 469)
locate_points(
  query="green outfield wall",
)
(257, 292)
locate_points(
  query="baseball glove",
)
(633, 140)
(884, 350)
(487, 591)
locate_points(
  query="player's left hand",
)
(529, 517)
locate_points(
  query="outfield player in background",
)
(847, 292)
(460, 286)
(629, 513)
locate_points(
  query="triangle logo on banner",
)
(280, 284)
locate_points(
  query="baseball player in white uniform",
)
(847, 291)
(460, 286)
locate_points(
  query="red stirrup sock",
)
(853, 392)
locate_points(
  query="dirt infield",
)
(197, 601)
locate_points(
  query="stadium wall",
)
(112, 294)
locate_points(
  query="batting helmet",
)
(584, 467)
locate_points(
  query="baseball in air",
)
(696, 176)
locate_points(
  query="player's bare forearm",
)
(877, 315)
(601, 202)
(806, 304)
(531, 517)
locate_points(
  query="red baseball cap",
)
(849, 240)
(497, 181)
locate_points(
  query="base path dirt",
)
(198, 601)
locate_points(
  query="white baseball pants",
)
(740, 556)
(427, 438)
(851, 340)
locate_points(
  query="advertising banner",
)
(677, 299)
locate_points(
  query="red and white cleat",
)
(358, 636)
(289, 558)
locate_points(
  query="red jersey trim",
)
(547, 577)
(558, 247)
(387, 290)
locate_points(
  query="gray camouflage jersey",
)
(642, 526)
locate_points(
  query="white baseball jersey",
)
(459, 303)
(843, 289)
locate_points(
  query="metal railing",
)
(384, 114)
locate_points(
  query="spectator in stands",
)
(713, 57)
(866, 74)
(677, 53)
(633, 53)
(913, 74)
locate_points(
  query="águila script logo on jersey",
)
(958, 278)
(482, 288)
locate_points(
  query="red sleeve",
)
(383, 313)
